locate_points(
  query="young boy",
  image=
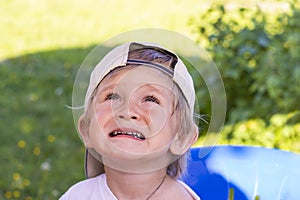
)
(137, 126)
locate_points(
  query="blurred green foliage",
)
(258, 55)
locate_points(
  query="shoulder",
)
(83, 189)
(189, 190)
(178, 190)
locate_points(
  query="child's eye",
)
(112, 96)
(152, 99)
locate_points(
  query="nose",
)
(129, 116)
(128, 111)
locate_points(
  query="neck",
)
(135, 185)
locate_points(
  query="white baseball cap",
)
(118, 57)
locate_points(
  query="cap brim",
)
(93, 166)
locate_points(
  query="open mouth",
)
(132, 134)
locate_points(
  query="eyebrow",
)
(107, 87)
(154, 87)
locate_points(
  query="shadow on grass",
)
(41, 154)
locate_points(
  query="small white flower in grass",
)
(46, 165)
(55, 193)
(59, 91)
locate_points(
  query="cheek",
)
(93, 133)
(159, 119)
(174, 124)
(102, 112)
(100, 116)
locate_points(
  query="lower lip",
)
(127, 136)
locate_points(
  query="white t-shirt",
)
(97, 188)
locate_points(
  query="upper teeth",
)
(134, 134)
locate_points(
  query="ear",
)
(83, 130)
(182, 143)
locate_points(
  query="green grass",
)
(37, 129)
(42, 44)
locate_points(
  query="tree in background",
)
(258, 55)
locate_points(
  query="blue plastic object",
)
(243, 173)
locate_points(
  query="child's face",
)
(133, 114)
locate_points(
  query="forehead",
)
(138, 76)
